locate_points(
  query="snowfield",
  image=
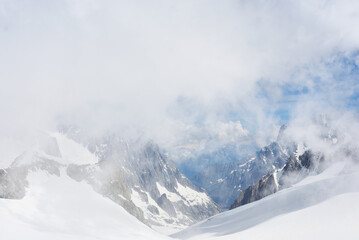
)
(73, 152)
(320, 207)
(61, 208)
(335, 218)
(323, 206)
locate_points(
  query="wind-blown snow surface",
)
(320, 207)
(60, 208)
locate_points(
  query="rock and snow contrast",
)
(180, 120)
(57, 207)
(322, 206)
(136, 176)
(71, 186)
(297, 168)
(225, 181)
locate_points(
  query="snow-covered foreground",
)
(60, 208)
(319, 207)
(57, 207)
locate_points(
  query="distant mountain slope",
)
(297, 168)
(225, 181)
(165, 196)
(299, 165)
(134, 175)
(323, 206)
(57, 207)
(194, 165)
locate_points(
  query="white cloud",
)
(122, 65)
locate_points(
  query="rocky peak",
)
(281, 133)
(293, 171)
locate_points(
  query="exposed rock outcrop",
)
(297, 168)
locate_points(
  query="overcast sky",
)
(171, 70)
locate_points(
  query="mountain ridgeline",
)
(134, 175)
(225, 181)
(300, 164)
(296, 169)
(148, 185)
(163, 194)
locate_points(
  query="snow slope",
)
(57, 207)
(140, 178)
(61, 208)
(57, 147)
(73, 152)
(320, 207)
(140, 181)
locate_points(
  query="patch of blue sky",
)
(290, 90)
(283, 115)
(347, 78)
(280, 104)
(335, 81)
(353, 101)
(339, 87)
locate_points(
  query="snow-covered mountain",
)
(225, 181)
(322, 206)
(193, 165)
(51, 204)
(57, 207)
(300, 164)
(134, 175)
(218, 142)
(297, 168)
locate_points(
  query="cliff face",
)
(135, 175)
(225, 181)
(140, 178)
(296, 168)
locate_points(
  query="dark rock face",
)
(153, 209)
(294, 170)
(164, 203)
(262, 188)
